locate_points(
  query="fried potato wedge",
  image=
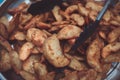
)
(5, 44)
(3, 31)
(115, 57)
(40, 69)
(93, 54)
(18, 36)
(112, 47)
(15, 61)
(71, 9)
(28, 65)
(27, 76)
(68, 32)
(56, 13)
(25, 50)
(5, 63)
(36, 36)
(114, 35)
(53, 52)
(78, 19)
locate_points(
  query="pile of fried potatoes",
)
(37, 46)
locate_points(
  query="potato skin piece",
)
(53, 52)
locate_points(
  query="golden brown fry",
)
(5, 21)
(5, 63)
(5, 44)
(78, 19)
(102, 35)
(71, 9)
(53, 52)
(43, 25)
(114, 35)
(93, 54)
(15, 61)
(112, 47)
(75, 63)
(25, 50)
(3, 31)
(18, 36)
(27, 76)
(40, 69)
(56, 14)
(113, 58)
(28, 65)
(36, 36)
(93, 6)
(82, 10)
(68, 32)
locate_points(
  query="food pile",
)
(37, 46)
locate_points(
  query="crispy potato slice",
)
(112, 47)
(53, 52)
(27, 76)
(28, 65)
(93, 54)
(5, 44)
(40, 70)
(56, 14)
(25, 50)
(15, 61)
(78, 19)
(114, 35)
(5, 63)
(36, 36)
(68, 32)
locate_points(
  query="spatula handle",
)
(99, 17)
